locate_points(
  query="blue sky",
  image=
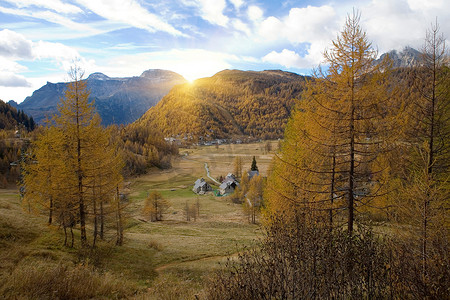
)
(39, 39)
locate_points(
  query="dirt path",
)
(180, 263)
(209, 176)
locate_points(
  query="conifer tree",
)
(254, 167)
(155, 206)
(254, 198)
(41, 171)
(426, 191)
(76, 120)
(77, 169)
(329, 160)
(238, 166)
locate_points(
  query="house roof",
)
(200, 183)
(227, 183)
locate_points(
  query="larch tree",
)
(155, 206)
(77, 167)
(39, 169)
(47, 180)
(426, 192)
(237, 166)
(76, 120)
(253, 199)
(103, 176)
(329, 162)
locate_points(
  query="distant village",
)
(207, 141)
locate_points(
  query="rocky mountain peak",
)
(98, 76)
(408, 57)
(161, 75)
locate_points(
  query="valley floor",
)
(170, 259)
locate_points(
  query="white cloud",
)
(15, 48)
(302, 25)
(241, 26)
(286, 58)
(405, 21)
(429, 4)
(271, 29)
(9, 65)
(237, 3)
(50, 17)
(55, 5)
(12, 80)
(19, 94)
(13, 44)
(129, 12)
(212, 11)
(312, 26)
(255, 13)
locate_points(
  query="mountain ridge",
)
(229, 104)
(118, 100)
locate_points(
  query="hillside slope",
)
(231, 103)
(12, 119)
(117, 100)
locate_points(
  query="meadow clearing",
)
(170, 259)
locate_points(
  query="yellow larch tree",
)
(329, 160)
(76, 170)
(425, 198)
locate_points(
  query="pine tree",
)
(254, 167)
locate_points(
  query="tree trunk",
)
(95, 222)
(119, 240)
(65, 235)
(50, 214)
(332, 190)
(80, 175)
(102, 220)
(351, 173)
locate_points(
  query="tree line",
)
(359, 148)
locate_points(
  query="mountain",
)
(408, 57)
(117, 100)
(231, 103)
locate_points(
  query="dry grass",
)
(161, 260)
(46, 280)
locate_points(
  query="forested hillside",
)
(14, 124)
(230, 104)
(11, 118)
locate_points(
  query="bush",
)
(305, 262)
(407, 269)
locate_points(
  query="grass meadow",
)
(170, 259)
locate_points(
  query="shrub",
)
(306, 262)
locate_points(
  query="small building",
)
(228, 185)
(201, 186)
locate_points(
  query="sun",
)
(194, 68)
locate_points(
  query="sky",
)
(40, 39)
